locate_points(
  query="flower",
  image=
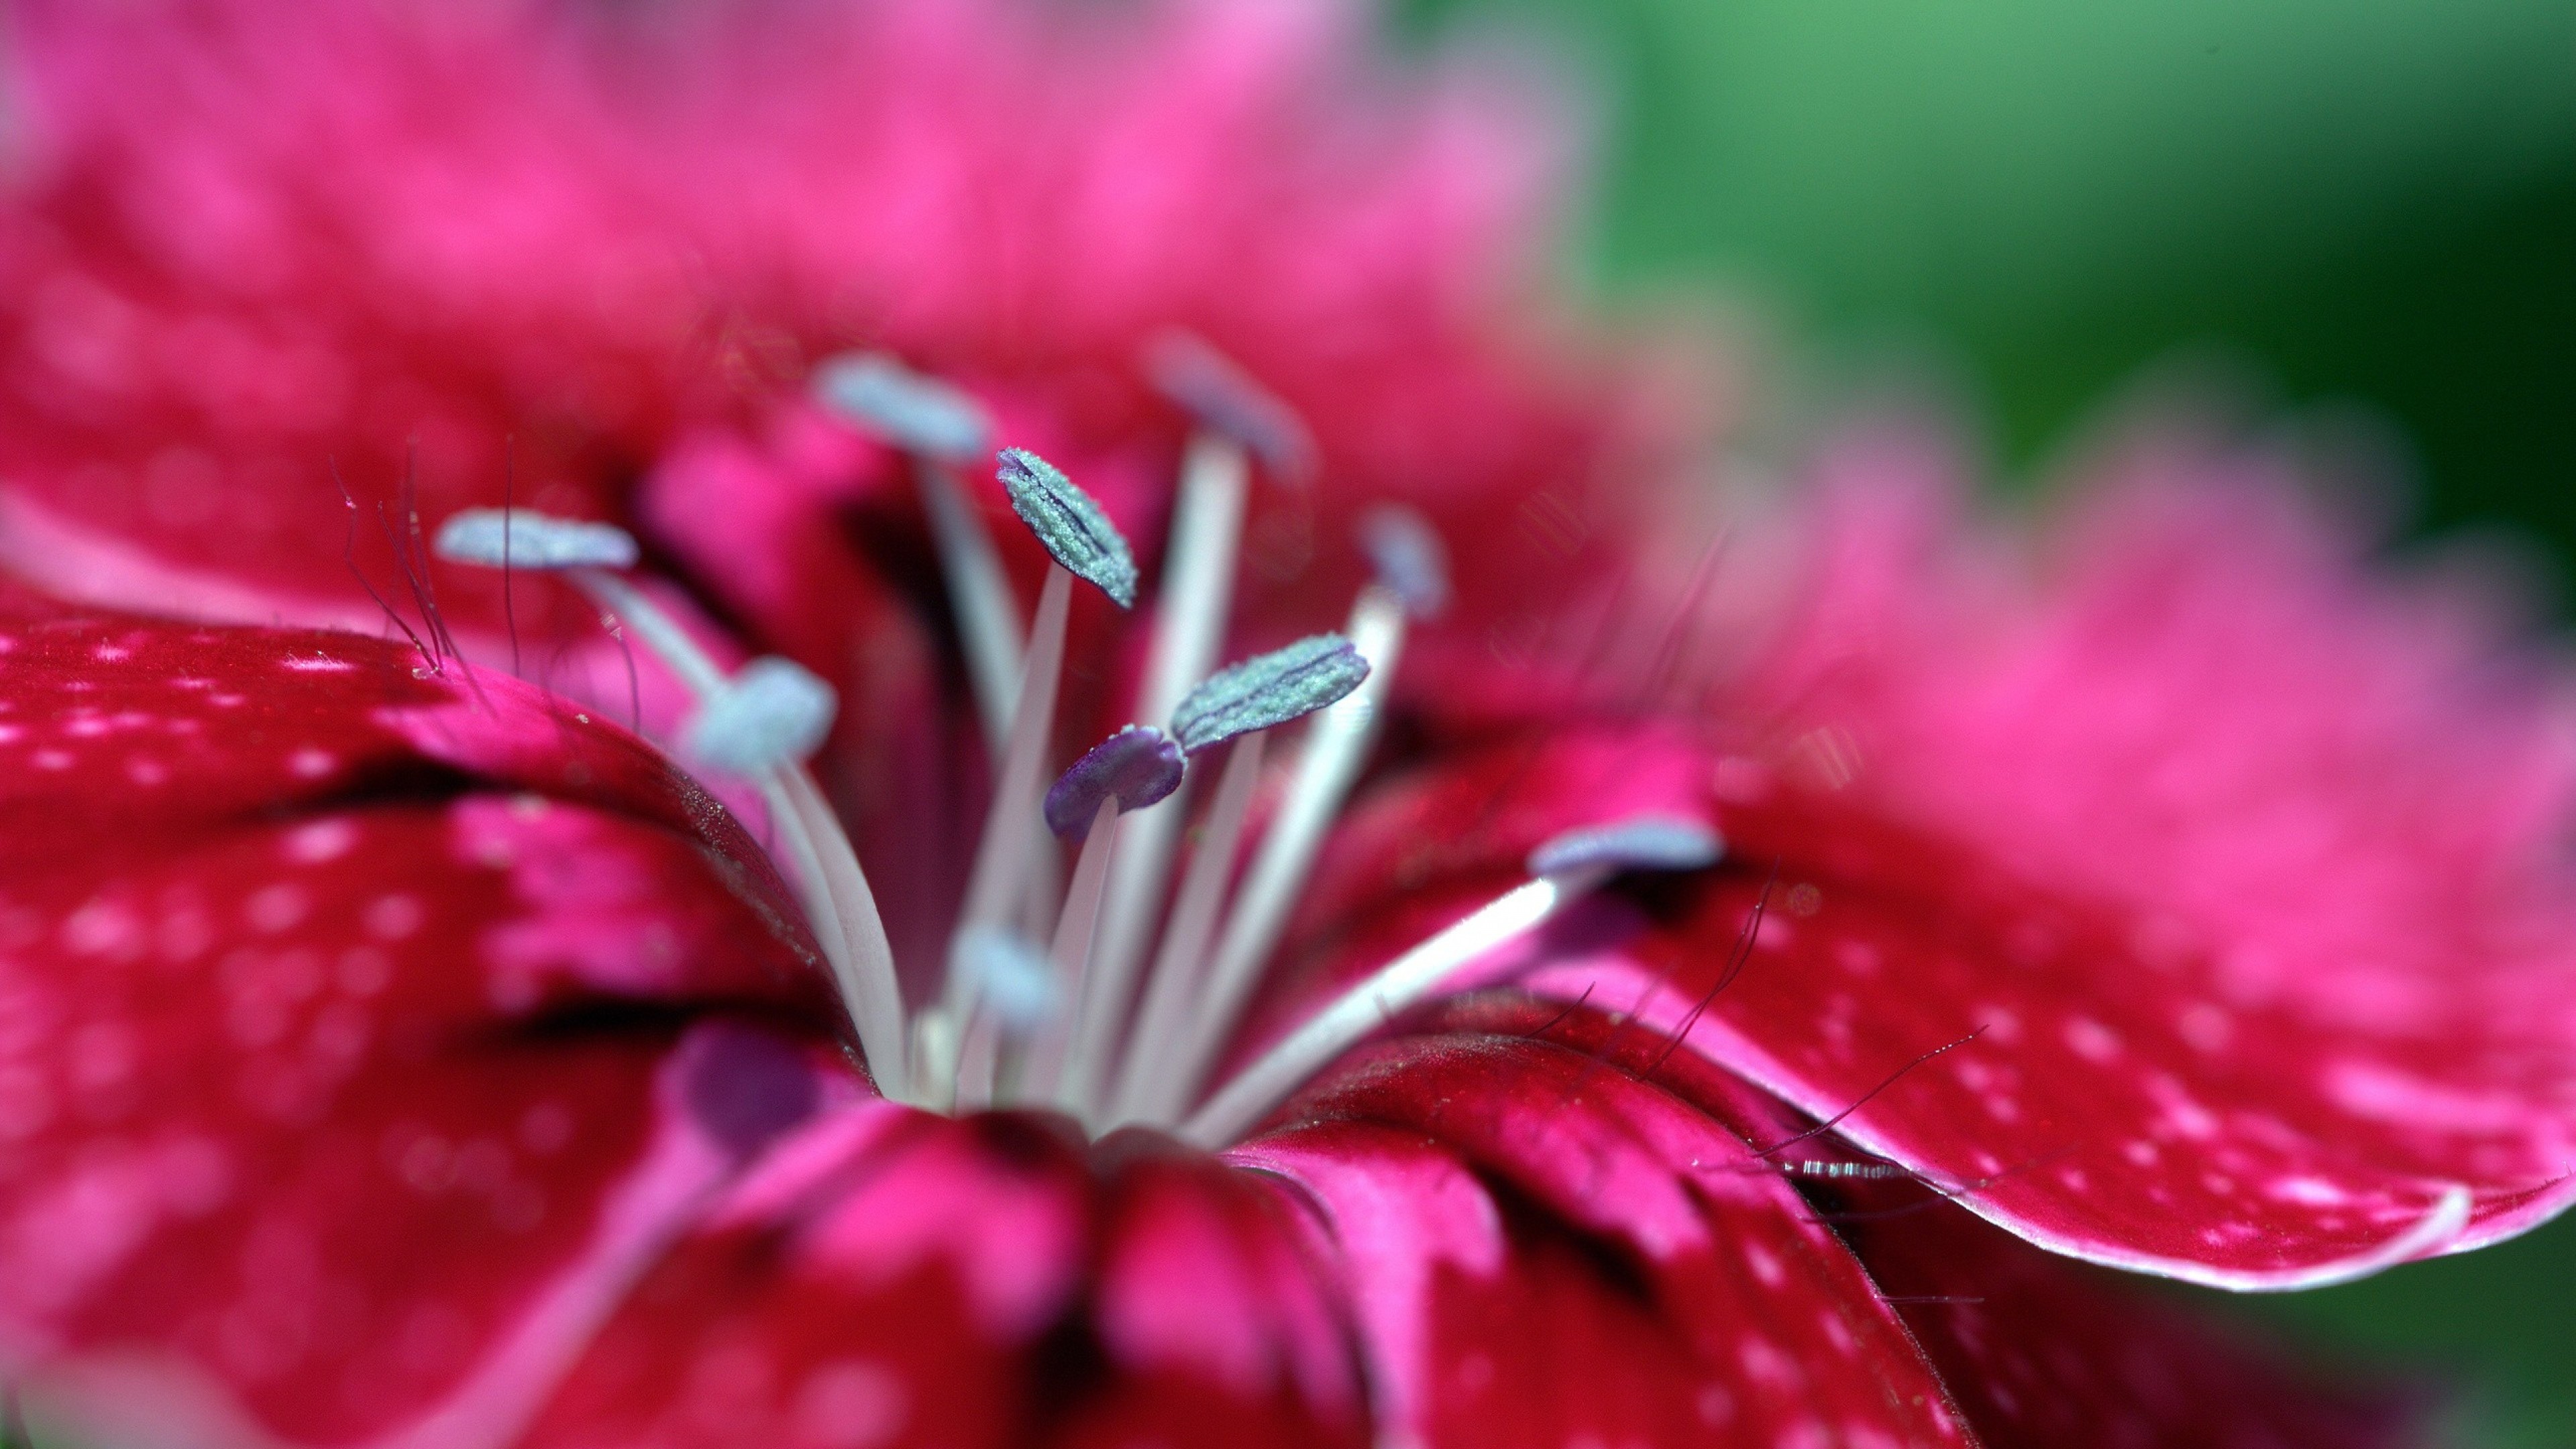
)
(394, 1047)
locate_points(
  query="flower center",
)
(1122, 1013)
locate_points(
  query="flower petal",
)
(891, 1277)
(2099, 1095)
(341, 1093)
(1546, 1251)
(364, 1117)
(2042, 1352)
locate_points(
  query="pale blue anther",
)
(1070, 524)
(1139, 765)
(523, 538)
(1225, 399)
(904, 409)
(773, 712)
(1268, 689)
(1408, 557)
(1010, 976)
(1641, 842)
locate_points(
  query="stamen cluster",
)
(1084, 1022)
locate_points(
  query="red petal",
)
(2042, 1352)
(2133, 1103)
(364, 1117)
(328, 1082)
(117, 730)
(2115, 1102)
(891, 1278)
(1545, 1251)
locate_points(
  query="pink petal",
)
(891, 1278)
(1545, 1251)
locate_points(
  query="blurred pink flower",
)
(396, 1051)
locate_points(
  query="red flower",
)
(393, 1050)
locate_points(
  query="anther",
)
(522, 538)
(774, 712)
(1406, 552)
(1071, 524)
(1225, 399)
(942, 428)
(1269, 690)
(901, 407)
(1011, 978)
(1644, 842)
(1136, 767)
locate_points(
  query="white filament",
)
(1014, 822)
(1172, 985)
(979, 593)
(1069, 956)
(1389, 992)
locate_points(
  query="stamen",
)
(1427, 969)
(1131, 769)
(1071, 525)
(1336, 744)
(1189, 626)
(1408, 556)
(1269, 689)
(774, 712)
(1075, 532)
(1225, 399)
(943, 428)
(838, 903)
(1172, 986)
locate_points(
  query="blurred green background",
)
(2370, 201)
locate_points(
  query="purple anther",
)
(1139, 765)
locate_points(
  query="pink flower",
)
(396, 1049)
